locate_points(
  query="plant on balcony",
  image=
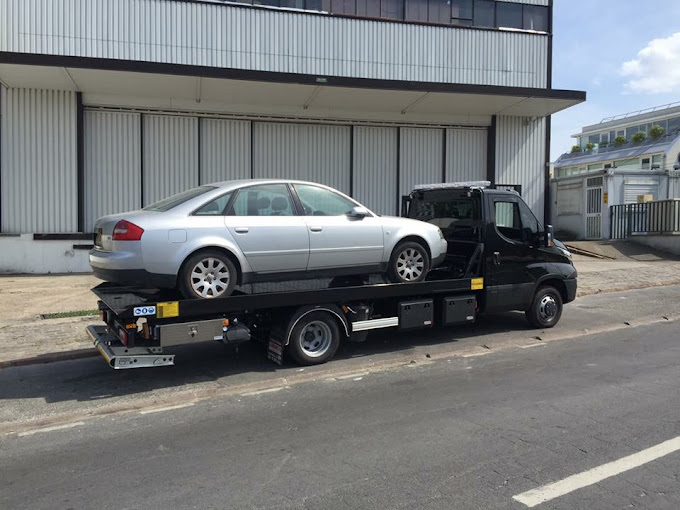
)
(604, 144)
(590, 146)
(639, 137)
(619, 141)
(575, 148)
(656, 132)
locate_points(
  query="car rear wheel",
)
(208, 274)
(409, 263)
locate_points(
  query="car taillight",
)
(127, 231)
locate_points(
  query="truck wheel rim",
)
(315, 339)
(547, 308)
(410, 264)
(210, 278)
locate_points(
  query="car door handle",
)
(496, 258)
(241, 230)
(316, 229)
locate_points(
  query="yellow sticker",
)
(605, 197)
(167, 310)
(477, 284)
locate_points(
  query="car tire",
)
(409, 263)
(314, 339)
(546, 308)
(207, 274)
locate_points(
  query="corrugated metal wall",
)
(39, 161)
(225, 150)
(520, 158)
(466, 155)
(420, 157)
(545, 3)
(302, 151)
(272, 40)
(375, 168)
(170, 155)
(113, 164)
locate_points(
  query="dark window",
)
(536, 18)
(272, 3)
(508, 15)
(175, 200)
(369, 8)
(456, 217)
(439, 11)
(343, 7)
(673, 126)
(594, 139)
(295, 4)
(461, 12)
(314, 5)
(392, 9)
(214, 207)
(528, 219)
(263, 200)
(416, 10)
(484, 13)
(322, 202)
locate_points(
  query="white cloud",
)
(656, 69)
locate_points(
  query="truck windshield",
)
(168, 203)
(455, 216)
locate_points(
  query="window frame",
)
(301, 207)
(518, 205)
(294, 204)
(224, 211)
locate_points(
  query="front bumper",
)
(572, 286)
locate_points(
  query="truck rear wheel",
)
(314, 339)
(546, 308)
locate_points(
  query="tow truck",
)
(499, 259)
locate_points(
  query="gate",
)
(594, 197)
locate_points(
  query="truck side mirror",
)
(549, 236)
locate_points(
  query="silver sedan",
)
(208, 239)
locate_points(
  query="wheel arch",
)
(415, 239)
(334, 310)
(232, 256)
(552, 281)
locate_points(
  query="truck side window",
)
(508, 221)
(528, 218)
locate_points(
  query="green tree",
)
(575, 148)
(639, 137)
(619, 141)
(656, 132)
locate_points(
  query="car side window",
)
(508, 220)
(263, 200)
(528, 218)
(322, 202)
(214, 207)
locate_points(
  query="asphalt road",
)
(457, 432)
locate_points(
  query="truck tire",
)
(207, 274)
(546, 308)
(314, 339)
(409, 263)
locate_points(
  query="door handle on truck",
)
(241, 230)
(496, 258)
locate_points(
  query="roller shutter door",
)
(420, 157)
(225, 150)
(309, 152)
(375, 168)
(466, 155)
(113, 166)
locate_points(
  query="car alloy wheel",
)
(410, 264)
(210, 278)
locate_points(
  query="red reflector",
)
(122, 334)
(127, 231)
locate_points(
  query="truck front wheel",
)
(314, 339)
(546, 308)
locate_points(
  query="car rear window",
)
(168, 203)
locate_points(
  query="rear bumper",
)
(136, 277)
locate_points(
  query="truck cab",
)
(494, 234)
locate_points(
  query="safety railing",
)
(661, 217)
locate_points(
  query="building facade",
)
(615, 162)
(109, 106)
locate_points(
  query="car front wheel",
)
(206, 275)
(409, 263)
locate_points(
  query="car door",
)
(510, 254)
(336, 239)
(268, 229)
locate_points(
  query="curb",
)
(50, 358)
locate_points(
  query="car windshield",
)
(169, 203)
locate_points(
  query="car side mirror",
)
(549, 236)
(358, 212)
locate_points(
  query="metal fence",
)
(662, 217)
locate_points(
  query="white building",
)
(606, 172)
(110, 105)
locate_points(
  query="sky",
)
(624, 53)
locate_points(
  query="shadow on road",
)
(91, 379)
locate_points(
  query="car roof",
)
(253, 182)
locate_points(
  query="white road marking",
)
(351, 376)
(260, 392)
(50, 429)
(476, 354)
(168, 408)
(554, 490)
(532, 345)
